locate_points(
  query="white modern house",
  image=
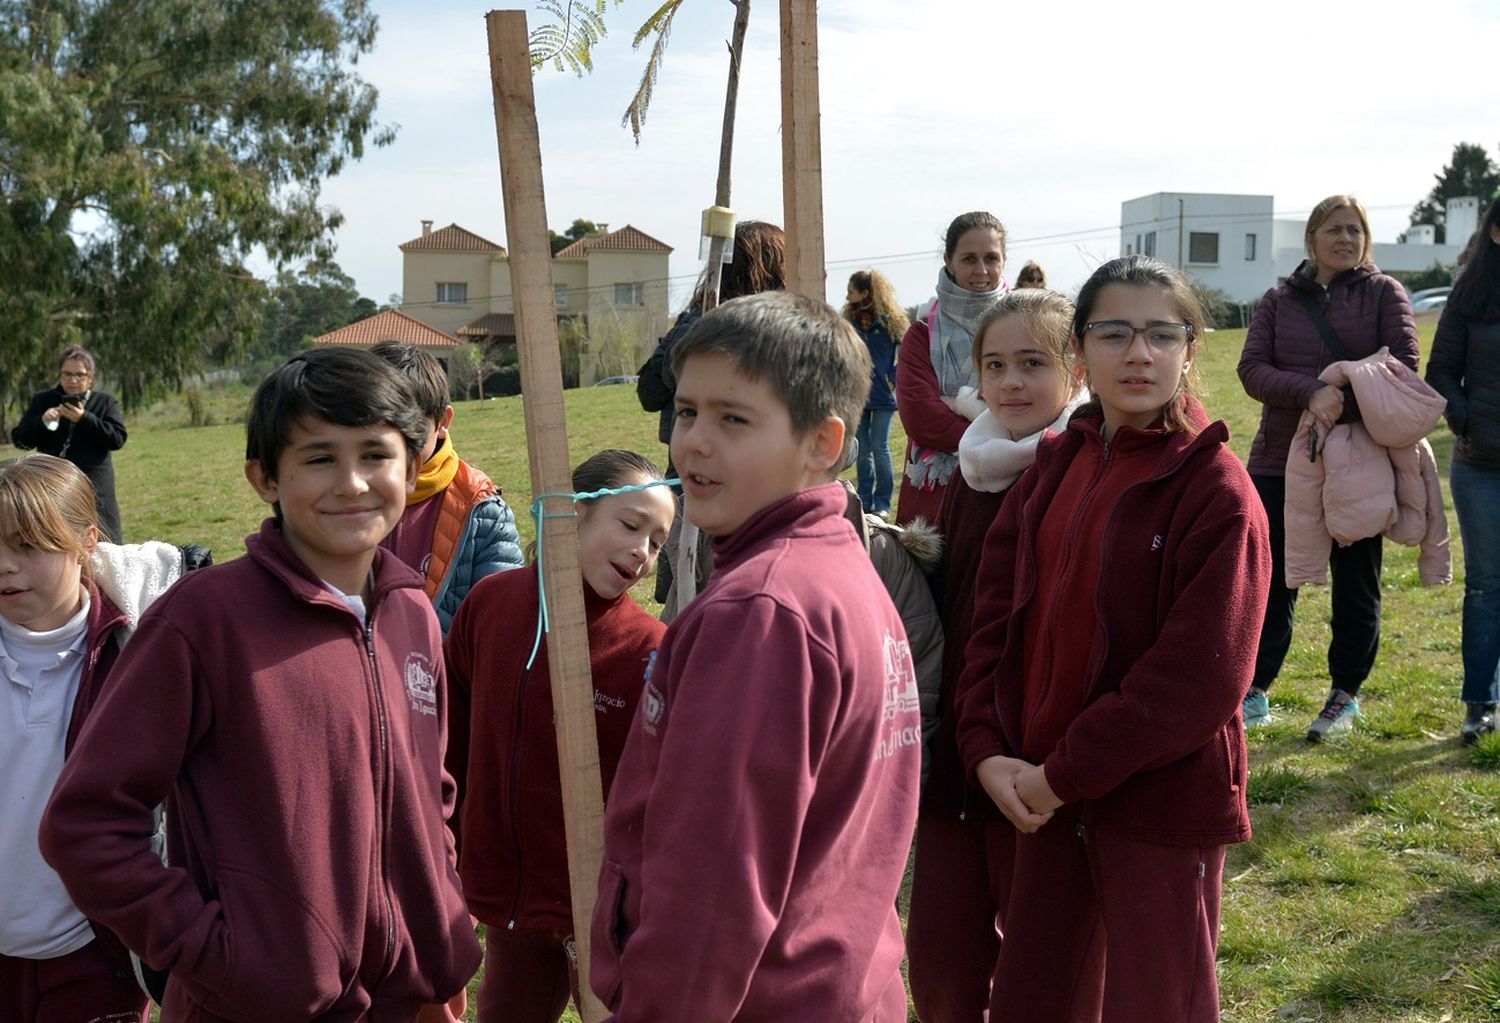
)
(1235, 243)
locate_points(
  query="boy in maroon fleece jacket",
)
(294, 699)
(758, 826)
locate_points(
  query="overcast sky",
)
(1047, 114)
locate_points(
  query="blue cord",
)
(544, 617)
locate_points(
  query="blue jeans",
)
(1476, 498)
(875, 480)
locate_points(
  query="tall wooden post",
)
(547, 446)
(802, 149)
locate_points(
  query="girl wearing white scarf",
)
(1024, 364)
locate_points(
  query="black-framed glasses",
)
(68, 375)
(1119, 334)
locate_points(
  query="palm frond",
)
(567, 41)
(660, 25)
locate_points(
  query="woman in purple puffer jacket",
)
(1285, 351)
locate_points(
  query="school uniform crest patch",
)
(421, 684)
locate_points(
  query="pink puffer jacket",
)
(1368, 478)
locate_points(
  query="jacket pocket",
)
(608, 935)
(284, 963)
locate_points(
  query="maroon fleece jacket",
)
(300, 753)
(1158, 750)
(925, 418)
(758, 827)
(965, 519)
(502, 744)
(1284, 351)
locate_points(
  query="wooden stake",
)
(547, 446)
(802, 149)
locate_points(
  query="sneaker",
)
(1257, 709)
(1337, 716)
(1478, 722)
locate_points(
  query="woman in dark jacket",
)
(1341, 288)
(76, 422)
(881, 323)
(1465, 369)
(759, 264)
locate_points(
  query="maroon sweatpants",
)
(1104, 926)
(81, 987)
(959, 888)
(528, 976)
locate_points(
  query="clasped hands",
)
(1019, 788)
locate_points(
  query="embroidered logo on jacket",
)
(901, 699)
(1156, 542)
(653, 708)
(421, 684)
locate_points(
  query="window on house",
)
(1129, 251)
(1203, 247)
(630, 294)
(1150, 247)
(453, 293)
(1249, 248)
(560, 295)
(1138, 246)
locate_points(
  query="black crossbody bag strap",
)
(1320, 320)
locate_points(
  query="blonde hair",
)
(47, 503)
(882, 301)
(1047, 318)
(1327, 208)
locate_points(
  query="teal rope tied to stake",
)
(544, 617)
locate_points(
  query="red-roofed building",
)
(611, 286)
(392, 325)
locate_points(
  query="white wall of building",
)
(1208, 235)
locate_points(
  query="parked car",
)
(1426, 293)
(630, 379)
(1431, 302)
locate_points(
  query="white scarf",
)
(991, 461)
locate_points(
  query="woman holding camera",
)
(76, 422)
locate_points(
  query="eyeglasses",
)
(1120, 334)
(75, 376)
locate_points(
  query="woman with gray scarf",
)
(937, 384)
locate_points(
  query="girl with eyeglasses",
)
(1336, 291)
(1115, 621)
(937, 388)
(75, 421)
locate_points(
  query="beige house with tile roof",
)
(612, 286)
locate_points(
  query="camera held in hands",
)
(74, 399)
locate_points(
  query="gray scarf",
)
(952, 335)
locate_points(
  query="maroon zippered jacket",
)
(1158, 750)
(759, 824)
(502, 744)
(1284, 351)
(300, 754)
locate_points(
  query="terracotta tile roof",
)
(626, 239)
(501, 325)
(390, 325)
(451, 239)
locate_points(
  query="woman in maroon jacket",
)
(1116, 615)
(1336, 299)
(936, 384)
(502, 750)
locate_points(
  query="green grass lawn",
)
(1370, 891)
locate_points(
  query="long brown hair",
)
(759, 264)
(883, 302)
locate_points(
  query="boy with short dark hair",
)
(456, 529)
(291, 707)
(757, 830)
